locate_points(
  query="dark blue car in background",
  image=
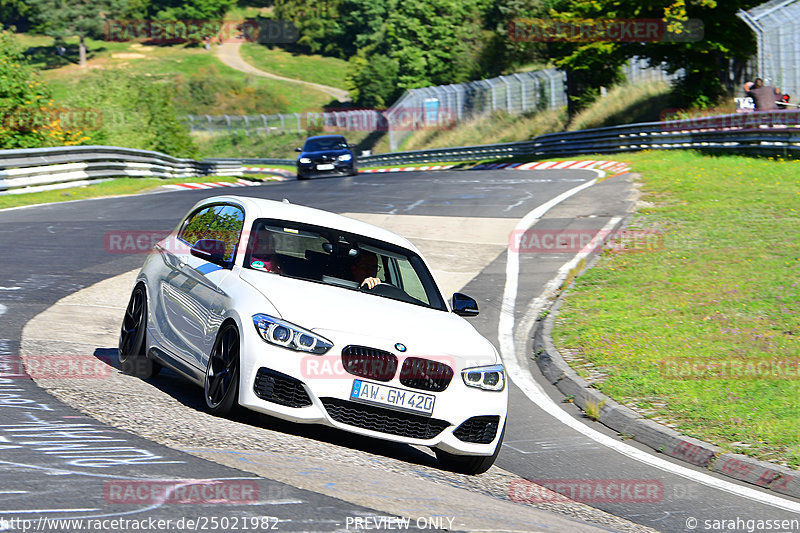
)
(325, 155)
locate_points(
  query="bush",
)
(136, 113)
(28, 118)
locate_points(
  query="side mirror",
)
(298, 149)
(463, 305)
(211, 250)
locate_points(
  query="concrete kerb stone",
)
(759, 473)
(632, 425)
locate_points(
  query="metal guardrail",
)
(775, 133)
(768, 132)
(49, 166)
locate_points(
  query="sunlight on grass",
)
(625, 104)
(314, 68)
(675, 328)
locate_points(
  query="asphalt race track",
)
(56, 250)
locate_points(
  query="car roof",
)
(263, 208)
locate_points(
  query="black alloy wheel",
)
(222, 374)
(133, 338)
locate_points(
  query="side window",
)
(196, 226)
(227, 227)
(220, 222)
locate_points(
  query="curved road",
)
(62, 252)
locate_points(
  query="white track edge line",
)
(524, 380)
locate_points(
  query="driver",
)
(365, 268)
(262, 252)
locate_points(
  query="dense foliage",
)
(393, 44)
(28, 118)
(135, 112)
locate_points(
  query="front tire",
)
(469, 464)
(221, 387)
(132, 351)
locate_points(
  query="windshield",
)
(327, 143)
(341, 259)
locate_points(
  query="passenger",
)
(365, 268)
(262, 252)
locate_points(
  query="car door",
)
(191, 295)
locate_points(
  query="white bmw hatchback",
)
(314, 317)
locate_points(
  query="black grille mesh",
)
(369, 363)
(478, 429)
(383, 420)
(280, 388)
(425, 374)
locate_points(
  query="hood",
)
(332, 153)
(347, 316)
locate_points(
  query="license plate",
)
(325, 167)
(400, 399)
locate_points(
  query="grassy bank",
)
(314, 68)
(693, 333)
(221, 88)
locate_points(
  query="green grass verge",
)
(724, 288)
(314, 68)
(498, 127)
(115, 187)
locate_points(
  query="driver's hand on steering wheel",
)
(371, 283)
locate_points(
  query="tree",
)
(590, 65)
(190, 9)
(372, 81)
(28, 118)
(136, 112)
(13, 12)
(61, 19)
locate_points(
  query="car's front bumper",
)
(324, 387)
(308, 170)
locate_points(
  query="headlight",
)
(287, 335)
(305, 160)
(485, 377)
(345, 157)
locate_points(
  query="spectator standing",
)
(764, 96)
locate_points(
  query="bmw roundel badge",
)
(400, 347)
